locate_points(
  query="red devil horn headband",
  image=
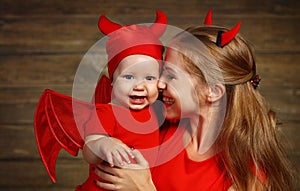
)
(158, 27)
(223, 38)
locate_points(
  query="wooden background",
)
(42, 43)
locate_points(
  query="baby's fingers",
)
(127, 154)
(117, 158)
(109, 159)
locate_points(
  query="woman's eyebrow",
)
(169, 68)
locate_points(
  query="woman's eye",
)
(170, 77)
(128, 77)
(150, 78)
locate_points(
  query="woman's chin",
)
(172, 117)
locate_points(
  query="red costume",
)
(139, 130)
(180, 173)
(63, 122)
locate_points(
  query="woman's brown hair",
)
(248, 140)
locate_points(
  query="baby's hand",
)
(115, 152)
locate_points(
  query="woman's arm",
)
(131, 177)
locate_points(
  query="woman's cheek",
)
(173, 112)
(189, 104)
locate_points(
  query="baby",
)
(126, 117)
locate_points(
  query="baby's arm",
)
(102, 147)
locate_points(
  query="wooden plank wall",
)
(42, 43)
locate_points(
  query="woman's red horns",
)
(223, 38)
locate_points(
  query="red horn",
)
(106, 26)
(159, 26)
(208, 18)
(225, 37)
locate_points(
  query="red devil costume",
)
(62, 122)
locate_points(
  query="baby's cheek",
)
(154, 95)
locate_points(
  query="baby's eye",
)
(150, 78)
(128, 77)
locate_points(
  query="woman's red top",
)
(180, 173)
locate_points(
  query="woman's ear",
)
(216, 92)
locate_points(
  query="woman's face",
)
(179, 94)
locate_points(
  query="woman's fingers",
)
(105, 168)
(106, 173)
(134, 177)
(111, 181)
(106, 186)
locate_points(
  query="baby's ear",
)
(216, 92)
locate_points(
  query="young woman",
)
(229, 136)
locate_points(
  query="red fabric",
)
(55, 126)
(182, 173)
(143, 133)
(61, 121)
(58, 117)
(132, 39)
(103, 90)
(131, 48)
(129, 40)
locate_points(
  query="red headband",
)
(133, 39)
(223, 38)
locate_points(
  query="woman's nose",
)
(161, 85)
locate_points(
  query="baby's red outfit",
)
(137, 129)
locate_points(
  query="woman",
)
(228, 133)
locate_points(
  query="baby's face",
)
(135, 82)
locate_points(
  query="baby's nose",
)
(139, 86)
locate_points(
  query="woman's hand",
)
(131, 177)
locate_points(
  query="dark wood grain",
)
(60, 35)
(43, 42)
